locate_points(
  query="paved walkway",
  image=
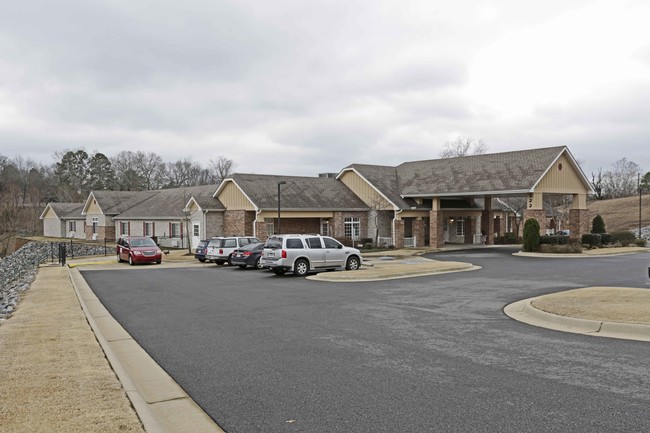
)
(58, 378)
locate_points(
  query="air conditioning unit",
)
(173, 243)
(94, 236)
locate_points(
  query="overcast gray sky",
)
(300, 87)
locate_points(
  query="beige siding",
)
(52, 227)
(234, 199)
(93, 208)
(564, 180)
(365, 191)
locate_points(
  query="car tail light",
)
(284, 254)
(247, 253)
(220, 251)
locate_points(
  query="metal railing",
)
(384, 241)
(410, 242)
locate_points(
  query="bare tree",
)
(597, 183)
(621, 180)
(150, 168)
(184, 172)
(515, 207)
(463, 146)
(221, 168)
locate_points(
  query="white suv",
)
(220, 249)
(304, 253)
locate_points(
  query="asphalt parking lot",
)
(266, 353)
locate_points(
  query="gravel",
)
(18, 270)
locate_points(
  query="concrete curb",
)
(161, 404)
(523, 311)
(582, 255)
(354, 279)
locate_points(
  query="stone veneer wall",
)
(539, 215)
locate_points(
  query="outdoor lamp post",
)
(282, 182)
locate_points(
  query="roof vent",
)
(329, 175)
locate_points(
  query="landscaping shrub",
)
(592, 239)
(623, 237)
(598, 225)
(561, 249)
(640, 242)
(508, 238)
(606, 238)
(531, 235)
(554, 240)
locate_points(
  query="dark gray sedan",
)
(248, 255)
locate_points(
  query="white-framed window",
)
(270, 228)
(148, 229)
(325, 227)
(95, 222)
(460, 227)
(124, 228)
(196, 230)
(175, 230)
(352, 227)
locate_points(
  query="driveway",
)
(262, 353)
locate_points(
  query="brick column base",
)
(260, 230)
(418, 232)
(578, 223)
(539, 215)
(399, 233)
(487, 226)
(436, 236)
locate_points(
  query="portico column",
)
(535, 209)
(488, 220)
(418, 231)
(578, 217)
(436, 235)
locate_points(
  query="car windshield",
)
(145, 242)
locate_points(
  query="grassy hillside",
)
(622, 213)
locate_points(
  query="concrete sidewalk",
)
(61, 351)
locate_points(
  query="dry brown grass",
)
(622, 213)
(55, 377)
(608, 304)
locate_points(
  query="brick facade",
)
(238, 223)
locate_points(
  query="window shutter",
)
(153, 228)
(170, 230)
(128, 225)
(144, 228)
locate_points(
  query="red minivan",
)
(138, 249)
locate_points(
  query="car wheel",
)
(352, 264)
(277, 271)
(300, 268)
(158, 262)
(229, 261)
(242, 266)
(202, 260)
(220, 262)
(258, 263)
(131, 262)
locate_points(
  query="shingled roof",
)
(507, 172)
(385, 179)
(116, 202)
(66, 211)
(169, 203)
(299, 193)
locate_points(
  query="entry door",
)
(196, 233)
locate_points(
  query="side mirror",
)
(340, 246)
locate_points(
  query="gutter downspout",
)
(257, 212)
(397, 212)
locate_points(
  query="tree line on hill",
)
(26, 186)
(624, 179)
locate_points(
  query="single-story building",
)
(418, 203)
(64, 220)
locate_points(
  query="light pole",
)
(282, 182)
(638, 182)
